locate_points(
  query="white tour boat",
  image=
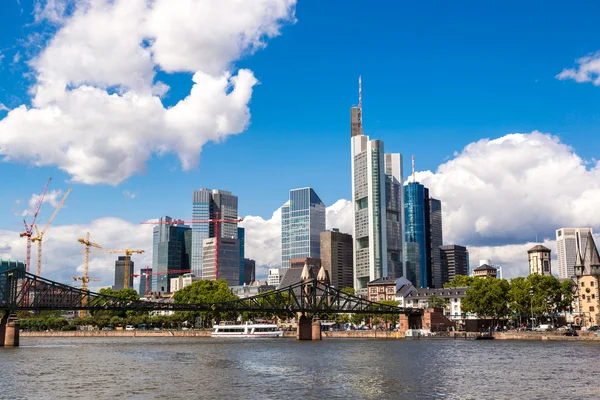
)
(247, 330)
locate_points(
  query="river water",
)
(206, 368)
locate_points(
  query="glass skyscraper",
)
(416, 214)
(241, 238)
(211, 204)
(302, 221)
(171, 251)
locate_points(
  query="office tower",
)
(539, 260)
(225, 264)
(454, 260)
(211, 204)
(413, 263)
(120, 271)
(436, 240)
(416, 214)
(336, 257)
(376, 190)
(302, 221)
(171, 251)
(566, 247)
(241, 233)
(394, 212)
(249, 271)
(145, 279)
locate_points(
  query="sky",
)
(134, 104)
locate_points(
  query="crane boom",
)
(128, 253)
(29, 228)
(86, 266)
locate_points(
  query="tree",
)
(390, 318)
(348, 290)
(436, 302)
(460, 281)
(519, 297)
(204, 292)
(123, 294)
(487, 297)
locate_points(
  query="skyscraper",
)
(242, 238)
(336, 257)
(413, 262)
(120, 271)
(211, 204)
(436, 239)
(249, 271)
(302, 221)
(224, 264)
(566, 247)
(378, 207)
(454, 260)
(171, 251)
(145, 279)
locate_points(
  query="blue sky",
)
(436, 76)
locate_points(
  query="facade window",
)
(582, 284)
(593, 296)
(591, 309)
(592, 283)
(390, 289)
(373, 290)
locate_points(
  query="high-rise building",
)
(566, 247)
(120, 271)
(249, 271)
(336, 257)
(171, 251)
(302, 221)
(242, 239)
(376, 191)
(539, 260)
(211, 204)
(454, 260)
(413, 263)
(436, 239)
(145, 279)
(225, 264)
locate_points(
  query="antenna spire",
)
(360, 100)
(413, 168)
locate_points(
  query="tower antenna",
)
(413, 168)
(360, 101)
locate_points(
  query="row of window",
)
(591, 284)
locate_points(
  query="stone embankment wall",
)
(165, 333)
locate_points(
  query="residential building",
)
(182, 281)
(225, 264)
(274, 277)
(485, 270)
(454, 260)
(336, 257)
(587, 273)
(171, 251)
(436, 241)
(302, 221)
(413, 262)
(211, 204)
(421, 298)
(249, 271)
(567, 248)
(145, 281)
(382, 289)
(120, 272)
(376, 191)
(242, 239)
(539, 260)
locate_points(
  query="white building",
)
(274, 277)
(182, 281)
(566, 247)
(378, 219)
(420, 298)
(539, 260)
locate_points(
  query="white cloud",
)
(129, 195)
(2, 106)
(97, 112)
(63, 256)
(588, 70)
(52, 197)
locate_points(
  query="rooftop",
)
(538, 248)
(485, 267)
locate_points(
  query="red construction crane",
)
(29, 228)
(149, 274)
(216, 220)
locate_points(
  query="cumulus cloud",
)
(587, 70)
(96, 109)
(63, 256)
(2, 106)
(52, 197)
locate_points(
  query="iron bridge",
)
(20, 290)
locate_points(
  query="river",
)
(205, 368)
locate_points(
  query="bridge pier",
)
(316, 330)
(308, 329)
(9, 330)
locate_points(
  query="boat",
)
(247, 330)
(485, 336)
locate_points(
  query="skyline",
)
(459, 120)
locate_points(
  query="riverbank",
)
(539, 336)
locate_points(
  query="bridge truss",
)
(20, 290)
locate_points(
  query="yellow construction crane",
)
(128, 253)
(86, 267)
(40, 235)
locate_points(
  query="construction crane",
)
(216, 220)
(86, 267)
(29, 228)
(147, 275)
(40, 235)
(128, 253)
